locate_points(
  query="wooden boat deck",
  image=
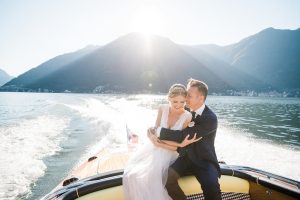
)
(104, 161)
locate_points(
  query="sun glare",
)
(147, 21)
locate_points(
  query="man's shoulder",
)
(209, 113)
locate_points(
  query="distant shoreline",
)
(272, 94)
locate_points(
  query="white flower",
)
(191, 124)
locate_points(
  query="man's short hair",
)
(200, 85)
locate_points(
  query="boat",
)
(100, 177)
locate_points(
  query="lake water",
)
(44, 136)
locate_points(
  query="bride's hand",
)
(153, 138)
(186, 140)
(150, 132)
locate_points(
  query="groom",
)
(199, 157)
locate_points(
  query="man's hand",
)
(186, 140)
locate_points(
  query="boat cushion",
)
(190, 185)
(231, 187)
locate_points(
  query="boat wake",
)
(23, 147)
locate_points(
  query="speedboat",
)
(100, 177)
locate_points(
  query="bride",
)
(146, 173)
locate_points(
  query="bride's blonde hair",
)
(177, 90)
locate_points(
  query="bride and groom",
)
(154, 170)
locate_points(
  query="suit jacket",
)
(206, 127)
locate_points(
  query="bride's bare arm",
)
(155, 141)
(158, 143)
(171, 143)
(158, 118)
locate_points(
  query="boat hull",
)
(101, 178)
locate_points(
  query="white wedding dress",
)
(146, 173)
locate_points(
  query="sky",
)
(34, 31)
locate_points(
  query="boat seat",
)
(231, 188)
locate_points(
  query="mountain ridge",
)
(4, 77)
(135, 63)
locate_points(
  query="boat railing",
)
(279, 183)
(114, 178)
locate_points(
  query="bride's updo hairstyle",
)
(177, 90)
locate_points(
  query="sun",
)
(147, 21)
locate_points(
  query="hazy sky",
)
(33, 31)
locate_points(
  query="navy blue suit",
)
(199, 158)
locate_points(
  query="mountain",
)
(271, 56)
(218, 52)
(235, 78)
(4, 77)
(132, 63)
(266, 61)
(38, 73)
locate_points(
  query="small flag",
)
(132, 138)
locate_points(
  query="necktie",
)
(194, 115)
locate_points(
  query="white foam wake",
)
(111, 118)
(237, 149)
(22, 147)
(108, 122)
